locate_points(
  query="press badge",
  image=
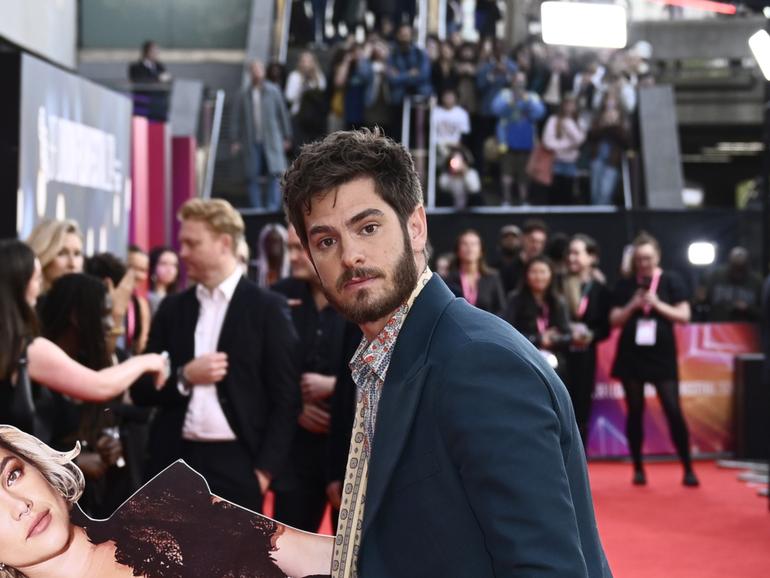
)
(646, 332)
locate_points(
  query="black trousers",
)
(668, 393)
(580, 381)
(300, 492)
(228, 469)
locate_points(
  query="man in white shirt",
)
(231, 405)
(451, 121)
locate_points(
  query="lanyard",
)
(131, 323)
(583, 305)
(542, 318)
(470, 291)
(653, 290)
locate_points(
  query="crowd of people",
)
(85, 330)
(98, 311)
(532, 125)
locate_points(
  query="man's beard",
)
(362, 309)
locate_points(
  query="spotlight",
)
(701, 253)
(759, 42)
(583, 24)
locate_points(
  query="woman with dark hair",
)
(44, 361)
(76, 316)
(172, 528)
(73, 317)
(539, 313)
(443, 74)
(588, 302)
(164, 275)
(607, 141)
(646, 306)
(481, 285)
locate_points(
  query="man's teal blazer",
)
(477, 468)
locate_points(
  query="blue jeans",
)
(258, 164)
(604, 181)
(565, 169)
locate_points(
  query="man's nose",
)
(352, 255)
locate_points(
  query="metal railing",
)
(212, 146)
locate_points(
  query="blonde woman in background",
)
(59, 247)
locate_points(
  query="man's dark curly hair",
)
(323, 166)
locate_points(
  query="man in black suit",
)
(152, 101)
(148, 68)
(465, 459)
(231, 404)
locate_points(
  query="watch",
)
(182, 380)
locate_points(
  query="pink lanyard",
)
(653, 290)
(542, 319)
(470, 292)
(131, 324)
(583, 305)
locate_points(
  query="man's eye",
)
(370, 229)
(326, 243)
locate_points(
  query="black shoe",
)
(640, 478)
(690, 479)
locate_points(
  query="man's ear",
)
(228, 243)
(417, 227)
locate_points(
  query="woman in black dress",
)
(646, 305)
(539, 313)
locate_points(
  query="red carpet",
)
(721, 529)
(664, 530)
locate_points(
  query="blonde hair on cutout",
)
(57, 468)
(217, 214)
(47, 238)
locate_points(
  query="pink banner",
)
(159, 167)
(184, 185)
(139, 229)
(706, 354)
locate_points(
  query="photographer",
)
(458, 182)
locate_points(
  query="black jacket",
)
(490, 291)
(260, 396)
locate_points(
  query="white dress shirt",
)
(205, 420)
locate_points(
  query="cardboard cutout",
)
(172, 527)
(175, 527)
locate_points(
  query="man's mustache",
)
(357, 273)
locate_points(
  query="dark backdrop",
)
(611, 228)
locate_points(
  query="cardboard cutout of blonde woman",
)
(172, 527)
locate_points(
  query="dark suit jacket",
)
(260, 395)
(477, 469)
(490, 291)
(139, 72)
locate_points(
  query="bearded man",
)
(465, 459)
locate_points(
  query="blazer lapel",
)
(191, 309)
(236, 310)
(401, 392)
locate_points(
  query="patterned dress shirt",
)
(369, 368)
